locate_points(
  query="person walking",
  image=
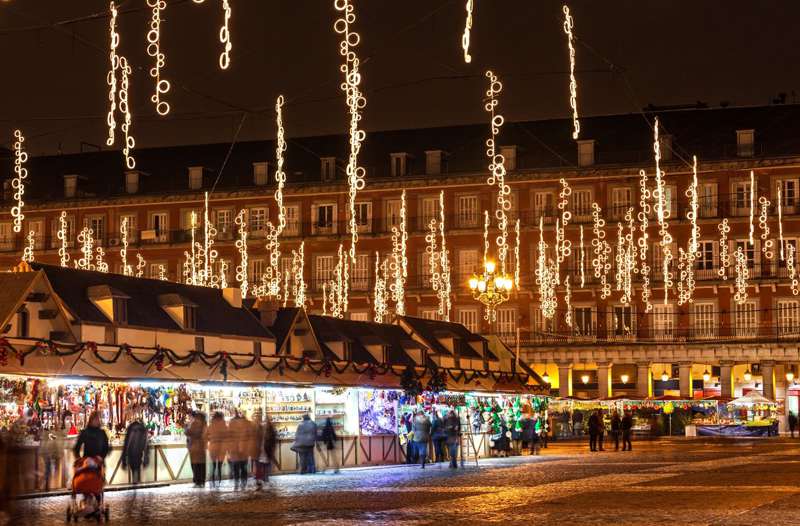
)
(52, 451)
(92, 441)
(592, 426)
(217, 446)
(616, 427)
(238, 449)
(452, 431)
(792, 423)
(601, 430)
(627, 424)
(305, 439)
(196, 441)
(136, 450)
(422, 435)
(330, 440)
(408, 426)
(270, 437)
(438, 437)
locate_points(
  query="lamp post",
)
(491, 288)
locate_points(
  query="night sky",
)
(668, 52)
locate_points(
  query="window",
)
(399, 164)
(328, 168)
(70, 186)
(260, 175)
(788, 189)
(258, 219)
(429, 314)
(225, 223)
(782, 263)
(621, 201)
(583, 323)
(586, 153)
(741, 198)
(256, 270)
(543, 206)
(509, 154)
(23, 323)
(159, 224)
(428, 209)
(324, 218)
(622, 321)
(359, 280)
(745, 320)
(663, 321)
(98, 226)
(323, 270)
(154, 270)
(468, 207)
(433, 162)
(470, 319)
(132, 226)
(189, 317)
(507, 324)
(364, 216)
(704, 320)
(582, 202)
(55, 228)
(745, 141)
(707, 199)
(748, 249)
(37, 227)
(788, 317)
(359, 316)
(131, 181)
(467, 264)
(705, 259)
(292, 220)
(195, 177)
(392, 213)
(424, 273)
(670, 205)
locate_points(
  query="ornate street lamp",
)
(491, 289)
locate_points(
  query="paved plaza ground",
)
(688, 481)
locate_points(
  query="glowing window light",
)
(141, 263)
(663, 214)
(516, 256)
(381, 306)
(159, 59)
(355, 102)
(780, 222)
(18, 183)
(752, 208)
(399, 261)
(573, 84)
(127, 269)
(241, 246)
(724, 252)
(568, 302)
(467, 28)
(27, 252)
(742, 275)
(643, 241)
(791, 269)
(101, 265)
(497, 170)
(111, 77)
(62, 236)
(763, 225)
(582, 261)
(162, 273)
(225, 36)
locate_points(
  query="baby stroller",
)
(88, 480)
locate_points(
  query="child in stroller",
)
(88, 480)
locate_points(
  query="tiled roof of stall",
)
(214, 314)
(432, 330)
(620, 139)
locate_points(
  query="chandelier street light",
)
(491, 288)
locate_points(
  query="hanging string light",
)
(602, 249)
(486, 224)
(643, 240)
(63, 238)
(431, 249)
(27, 252)
(101, 265)
(791, 269)
(399, 262)
(742, 275)
(466, 35)
(298, 268)
(380, 294)
(324, 299)
(582, 261)
(445, 302)
(724, 253)
(209, 254)
(573, 84)
(272, 278)
(692, 214)
(497, 170)
(619, 257)
(119, 62)
(141, 263)
(763, 225)
(752, 207)
(18, 183)
(162, 273)
(545, 278)
(780, 222)
(568, 302)
(564, 246)
(111, 77)
(127, 270)
(241, 246)
(223, 274)
(355, 102)
(159, 59)
(663, 213)
(86, 241)
(516, 257)
(629, 258)
(124, 107)
(687, 258)
(225, 36)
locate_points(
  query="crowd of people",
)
(619, 427)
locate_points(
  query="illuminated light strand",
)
(298, 268)
(355, 103)
(286, 288)
(433, 255)
(162, 273)
(791, 269)
(602, 249)
(780, 223)
(486, 224)
(27, 252)
(223, 274)
(763, 225)
(686, 259)
(62, 235)
(159, 59)
(141, 264)
(750, 238)
(516, 257)
(582, 261)
(692, 213)
(544, 276)
(663, 215)
(381, 306)
(124, 107)
(573, 83)
(111, 77)
(619, 258)
(445, 301)
(225, 36)
(465, 37)
(207, 254)
(497, 170)
(86, 241)
(568, 302)
(101, 265)
(643, 241)
(241, 246)
(324, 299)
(629, 258)
(272, 277)
(127, 269)
(18, 183)
(724, 253)
(563, 245)
(399, 262)
(742, 275)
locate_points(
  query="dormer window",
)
(745, 143)
(182, 310)
(327, 168)
(509, 154)
(132, 181)
(195, 177)
(665, 145)
(260, 173)
(433, 162)
(399, 164)
(111, 302)
(586, 152)
(70, 186)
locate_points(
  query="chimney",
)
(195, 177)
(745, 143)
(433, 162)
(233, 295)
(267, 311)
(132, 181)
(586, 152)
(260, 173)
(70, 186)
(509, 154)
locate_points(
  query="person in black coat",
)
(135, 450)
(592, 428)
(438, 437)
(616, 427)
(792, 423)
(330, 439)
(627, 424)
(92, 439)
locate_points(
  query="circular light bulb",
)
(585, 378)
(706, 376)
(624, 378)
(664, 376)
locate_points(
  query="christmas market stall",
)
(751, 415)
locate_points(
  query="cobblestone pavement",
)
(668, 482)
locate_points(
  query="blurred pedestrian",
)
(407, 424)
(240, 431)
(438, 437)
(330, 440)
(196, 440)
(217, 446)
(452, 429)
(792, 422)
(627, 425)
(529, 435)
(616, 427)
(92, 441)
(135, 450)
(52, 452)
(593, 427)
(305, 439)
(267, 457)
(601, 430)
(422, 435)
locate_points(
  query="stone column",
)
(726, 379)
(644, 380)
(768, 377)
(604, 379)
(564, 379)
(685, 379)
